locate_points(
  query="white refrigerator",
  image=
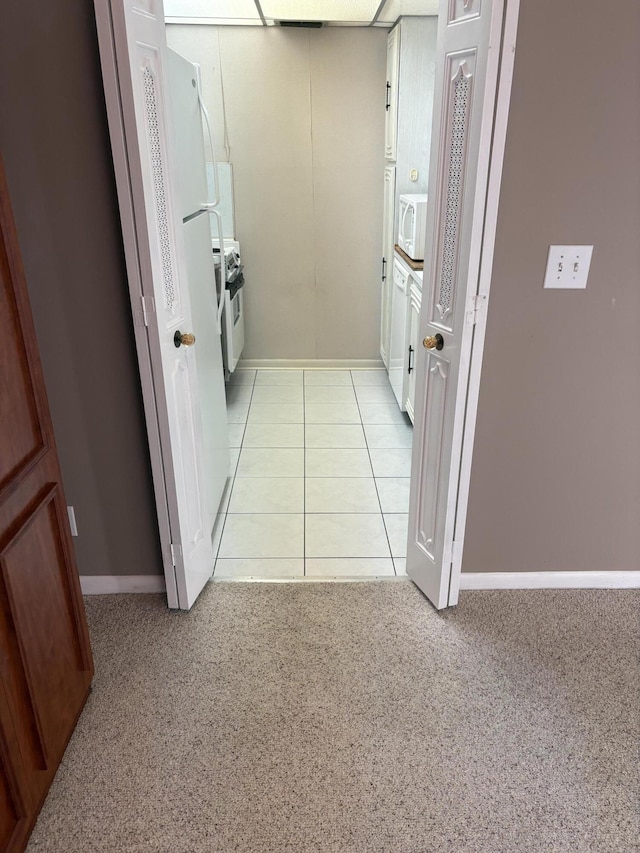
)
(191, 178)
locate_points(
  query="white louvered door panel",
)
(140, 43)
(466, 73)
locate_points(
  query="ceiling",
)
(339, 13)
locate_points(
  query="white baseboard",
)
(550, 580)
(110, 584)
(311, 363)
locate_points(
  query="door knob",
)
(188, 339)
(433, 342)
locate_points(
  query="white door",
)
(140, 54)
(469, 37)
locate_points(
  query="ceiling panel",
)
(360, 11)
(230, 10)
(393, 9)
(345, 12)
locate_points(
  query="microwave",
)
(412, 225)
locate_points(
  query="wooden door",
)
(45, 656)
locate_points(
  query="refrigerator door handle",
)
(212, 206)
(205, 113)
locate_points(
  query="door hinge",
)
(476, 305)
(148, 307)
(176, 553)
(384, 269)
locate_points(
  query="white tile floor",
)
(320, 476)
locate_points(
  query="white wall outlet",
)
(568, 267)
(413, 175)
(72, 521)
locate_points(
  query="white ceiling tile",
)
(336, 12)
(236, 10)
(320, 10)
(393, 9)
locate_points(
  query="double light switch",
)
(568, 267)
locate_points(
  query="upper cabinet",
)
(391, 102)
(411, 58)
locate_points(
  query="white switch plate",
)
(568, 267)
(413, 175)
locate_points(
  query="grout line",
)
(304, 479)
(375, 480)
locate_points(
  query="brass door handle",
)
(188, 339)
(433, 342)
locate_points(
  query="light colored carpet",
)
(353, 718)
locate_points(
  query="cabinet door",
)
(398, 347)
(45, 658)
(415, 301)
(387, 261)
(391, 105)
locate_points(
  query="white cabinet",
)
(411, 51)
(391, 102)
(387, 262)
(398, 347)
(406, 301)
(415, 302)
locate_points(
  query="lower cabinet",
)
(415, 302)
(406, 299)
(398, 342)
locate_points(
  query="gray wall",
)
(305, 118)
(556, 474)
(54, 140)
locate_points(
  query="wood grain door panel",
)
(16, 805)
(45, 656)
(23, 439)
(50, 649)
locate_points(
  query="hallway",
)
(321, 462)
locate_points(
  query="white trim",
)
(312, 363)
(498, 144)
(110, 584)
(550, 580)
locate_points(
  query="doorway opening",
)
(273, 442)
(323, 131)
